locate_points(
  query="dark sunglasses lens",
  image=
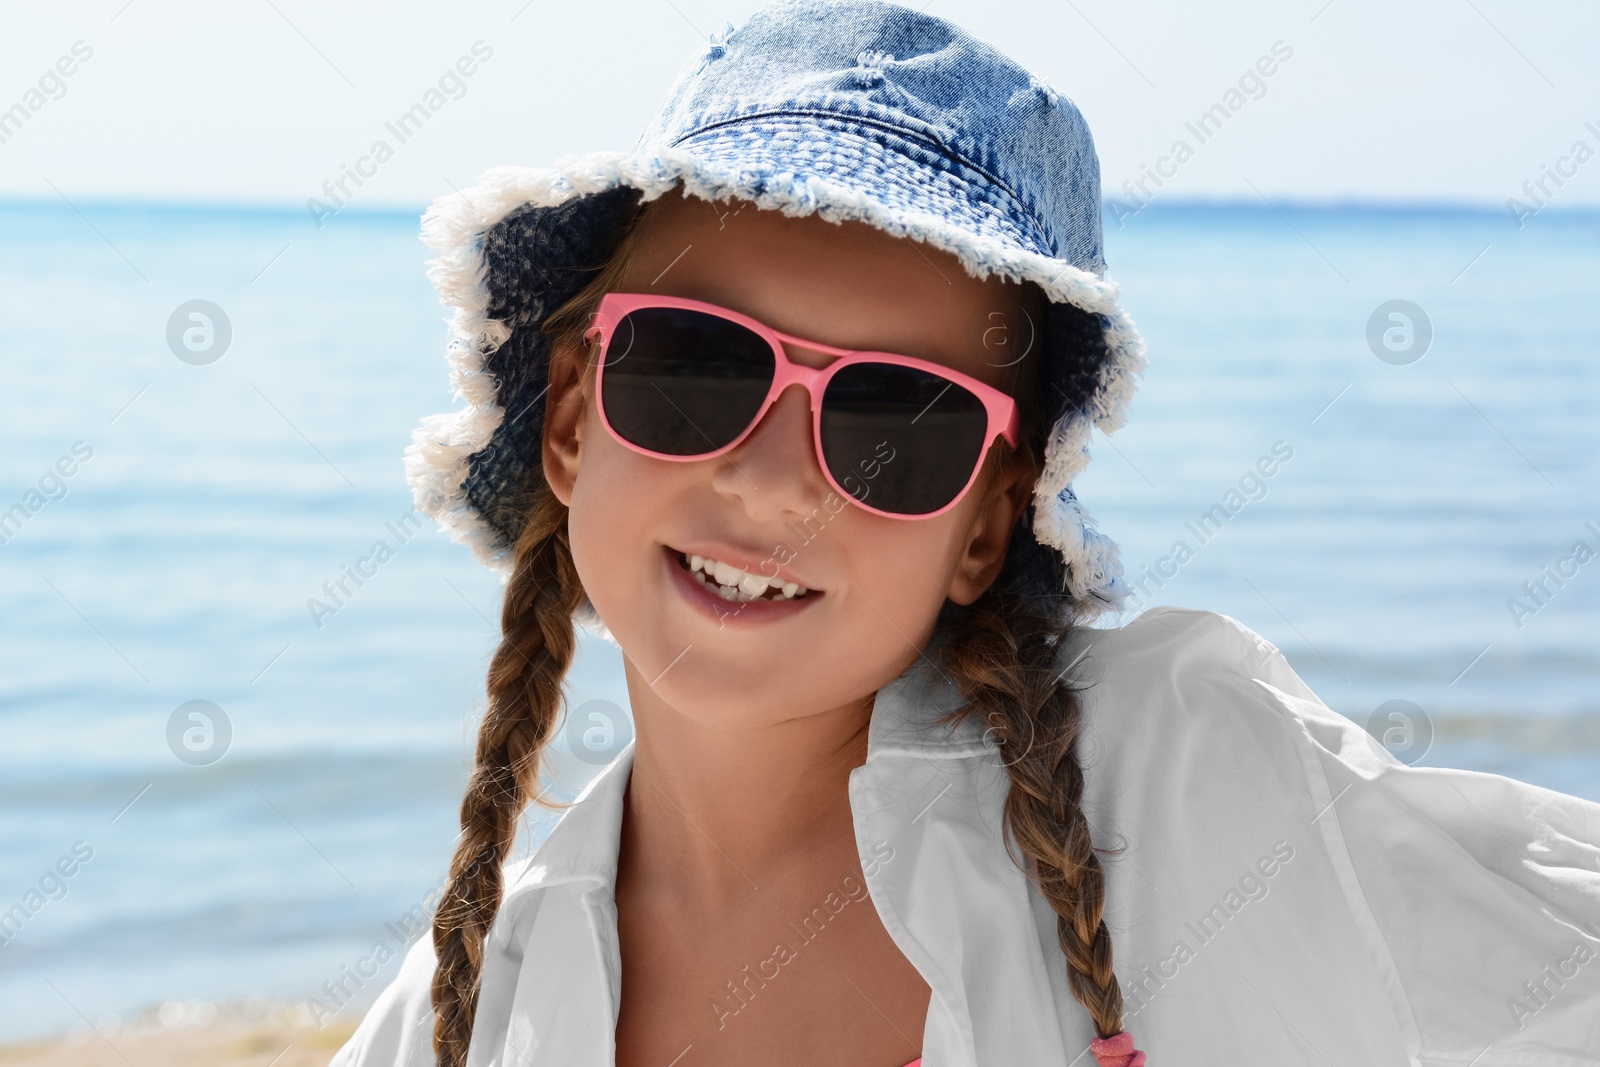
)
(683, 382)
(900, 439)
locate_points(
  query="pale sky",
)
(264, 100)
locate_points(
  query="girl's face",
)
(876, 584)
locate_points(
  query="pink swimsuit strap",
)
(1114, 1051)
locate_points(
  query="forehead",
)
(847, 284)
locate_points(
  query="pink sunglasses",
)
(682, 379)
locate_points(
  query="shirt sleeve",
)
(1478, 896)
(398, 1030)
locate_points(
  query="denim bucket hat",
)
(850, 109)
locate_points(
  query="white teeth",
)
(735, 584)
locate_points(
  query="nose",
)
(774, 471)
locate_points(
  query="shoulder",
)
(1181, 668)
(1188, 714)
(1175, 639)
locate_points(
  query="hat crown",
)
(918, 80)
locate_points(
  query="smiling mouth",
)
(739, 586)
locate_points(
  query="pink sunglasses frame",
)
(1001, 408)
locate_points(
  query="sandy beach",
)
(192, 1034)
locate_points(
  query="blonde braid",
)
(1001, 654)
(525, 675)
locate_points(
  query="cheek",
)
(608, 541)
(903, 567)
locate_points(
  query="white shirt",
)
(1288, 892)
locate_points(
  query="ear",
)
(984, 553)
(565, 414)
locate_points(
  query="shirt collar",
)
(584, 843)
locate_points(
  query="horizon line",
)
(415, 209)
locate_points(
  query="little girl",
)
(890, 799)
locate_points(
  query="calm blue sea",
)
(1410, 502)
